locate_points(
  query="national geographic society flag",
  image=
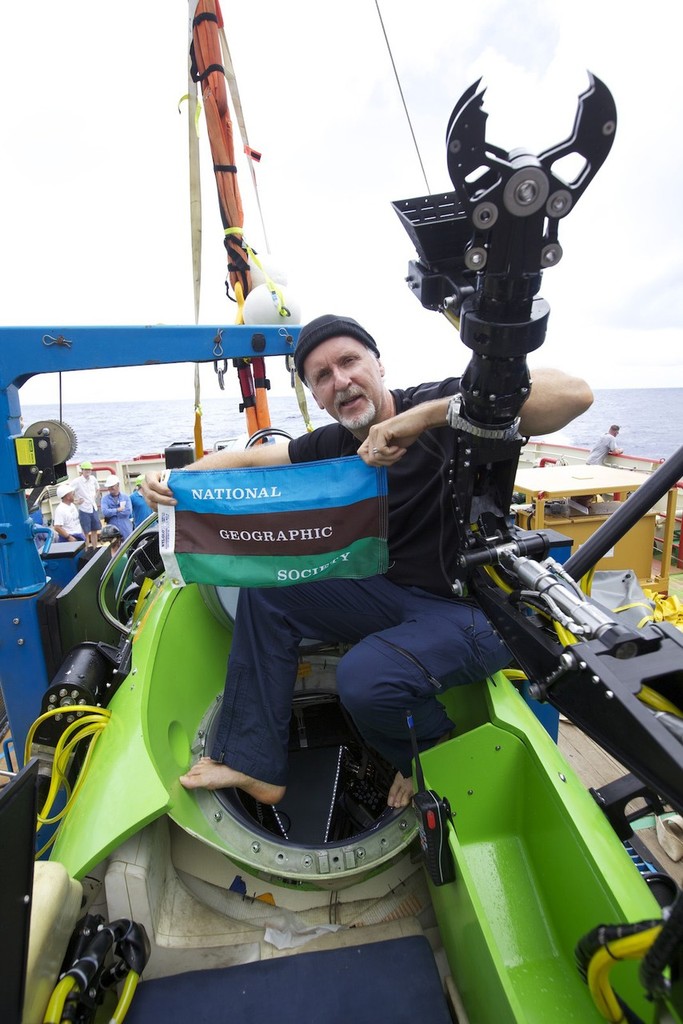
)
(273, 526)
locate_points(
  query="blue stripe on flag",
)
(329, 483)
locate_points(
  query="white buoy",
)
(261, 308)
(270, 267)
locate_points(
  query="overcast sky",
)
(94, 205)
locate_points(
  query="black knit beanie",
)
(324, 327)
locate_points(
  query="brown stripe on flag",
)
(313, 531)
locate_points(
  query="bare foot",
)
(401, 792)
(208, 774)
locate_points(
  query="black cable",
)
(662, 952)
(398, 82)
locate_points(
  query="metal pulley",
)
(43, 451)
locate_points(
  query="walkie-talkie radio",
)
(433, 815)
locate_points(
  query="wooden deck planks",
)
(595, 768)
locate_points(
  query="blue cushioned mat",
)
(393, 982)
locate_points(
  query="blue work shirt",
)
(118, 516)
(140, 508)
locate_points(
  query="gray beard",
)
(360, 421)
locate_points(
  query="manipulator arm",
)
(482, 251)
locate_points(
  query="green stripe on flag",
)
(365, 557)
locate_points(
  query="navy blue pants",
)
(409, 645)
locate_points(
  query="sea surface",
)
(651, 421)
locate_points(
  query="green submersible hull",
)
(537, 864)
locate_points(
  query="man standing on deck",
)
(87, 498)
(411, 635)
(116, 507)
(607, 445)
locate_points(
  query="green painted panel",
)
(537, 867)
(179, 656)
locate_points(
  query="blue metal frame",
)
(25, 352)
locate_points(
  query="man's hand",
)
(377, 449)
(388, 441)
(155, 492)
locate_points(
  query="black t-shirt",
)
(422, 534)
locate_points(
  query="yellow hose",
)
(55, 1007)
(59, 772)
(85, 708)
(91, 723)
(498, 579)
(127, 993)
(632, 947)
(655, 700)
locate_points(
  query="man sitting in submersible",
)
(411, 635)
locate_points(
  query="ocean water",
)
(113, 430)
(651, 421)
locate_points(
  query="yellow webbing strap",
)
(273, 288)
(239, 291)
(198, 437)
(300, 393)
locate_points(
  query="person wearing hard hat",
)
(141, 510)
(116, 507)
(66, 521)
(87, 498)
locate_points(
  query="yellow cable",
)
(60, 775)
(51, 712)
(55, 1007)
(498, 579)
(633, 604)
(65, 754)
(564, 635)
(602, 992)
(86, 762)
(515, 673)
(90, 724)
(127, 993)
(46, 847)
(71, 796)
(58, 761)
(59, 765)
(655, 700)
(586, 581)
(631, 947)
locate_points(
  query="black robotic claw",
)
(498, 190)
